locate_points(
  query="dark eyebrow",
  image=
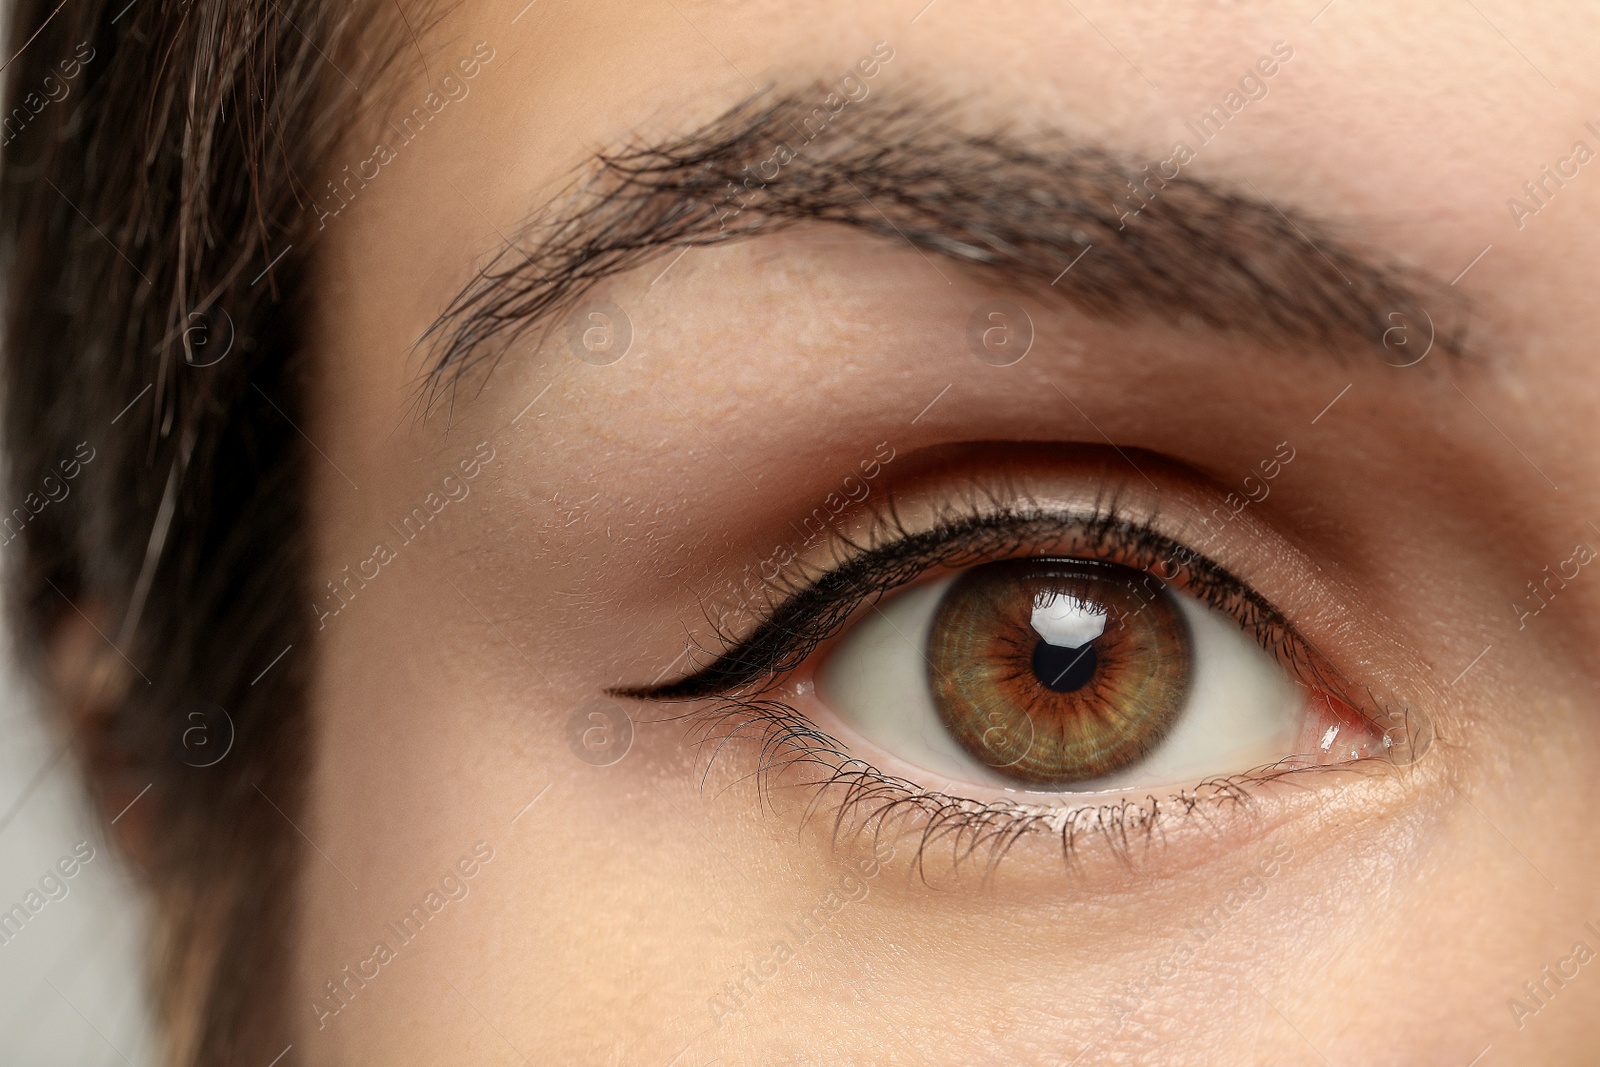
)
(1139, 243)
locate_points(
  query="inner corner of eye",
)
(1072, 675)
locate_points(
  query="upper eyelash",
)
(817, 609)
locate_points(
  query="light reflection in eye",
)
(1073, 675)
(1063, 620)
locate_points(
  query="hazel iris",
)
(1057, 671)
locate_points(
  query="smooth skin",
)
(1402, 912)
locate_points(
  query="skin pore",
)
(557, 527)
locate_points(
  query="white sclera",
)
(1243, 709)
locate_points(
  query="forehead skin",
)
(616, 906)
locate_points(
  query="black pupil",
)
(1063, 669)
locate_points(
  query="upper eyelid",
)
(777, 645)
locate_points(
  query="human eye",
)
(1050, 673)
(1043, 654)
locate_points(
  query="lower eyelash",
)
(872, 804)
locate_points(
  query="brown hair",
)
(153, 227)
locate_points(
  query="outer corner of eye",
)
(1069, 675)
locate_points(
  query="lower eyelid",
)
(803, 772)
